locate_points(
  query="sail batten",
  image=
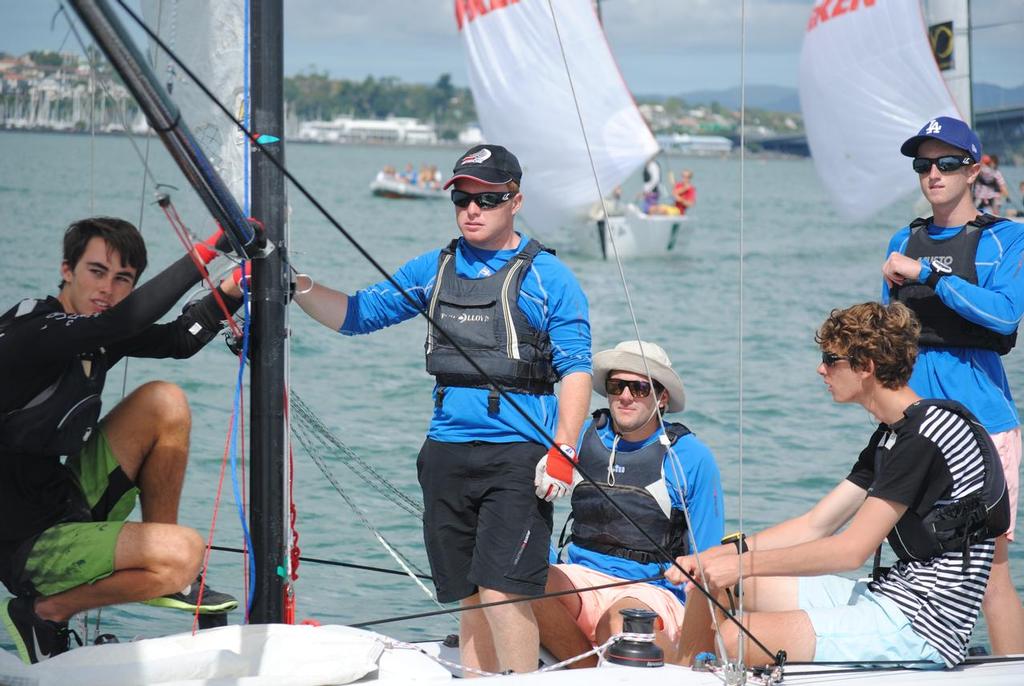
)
(525, 101)
(868, 81)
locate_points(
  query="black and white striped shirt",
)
(928, 459)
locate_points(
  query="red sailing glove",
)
(555, 475)
(208, 249)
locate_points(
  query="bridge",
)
(1001, 132)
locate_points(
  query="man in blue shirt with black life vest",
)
(673, 493)
(960, 272)
(523, 318)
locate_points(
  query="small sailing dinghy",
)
(270, 651)
(569, 118)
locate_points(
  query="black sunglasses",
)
(946, 163)
(830, 359)
(484, 201)
(638, 389)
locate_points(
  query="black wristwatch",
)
(739, 539)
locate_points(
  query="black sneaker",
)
(36, 639)
(213, 602)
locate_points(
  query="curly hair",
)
(884, 334)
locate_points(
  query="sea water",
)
(763, 260)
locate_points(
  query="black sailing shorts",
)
(483, 525)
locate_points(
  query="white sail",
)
(868, 81)
(210, 38)
(524, 100)
(949, 33)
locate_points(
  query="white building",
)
(395, 130)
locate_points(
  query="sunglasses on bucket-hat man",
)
(629, 356)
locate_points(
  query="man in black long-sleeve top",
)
(68, 479)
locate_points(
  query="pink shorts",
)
(1008, 445)
(595, 603)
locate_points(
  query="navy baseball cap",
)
(948, 130)
(487, 163)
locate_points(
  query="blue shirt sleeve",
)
(997, 300)
(382, 305)
(696, 475)
(554, 301)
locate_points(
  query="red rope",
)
(213, 522)
(171, 212)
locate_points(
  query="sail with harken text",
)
(868, 81)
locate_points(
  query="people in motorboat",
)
(960, 273)
(388, 173)
(410, 176)
(673, 491)
(523, 318)
(65, 544)
(684, 192)
(929, 479)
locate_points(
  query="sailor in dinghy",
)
(65, 546)
(523, 318)
(929, 479)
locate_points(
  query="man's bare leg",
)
(476, 645)
(556, 621)
(150, 560)
(513, 630)
(1002, 607)
(148, 432)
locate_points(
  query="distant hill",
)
(784, 99)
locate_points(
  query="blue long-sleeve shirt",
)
(974, 376)
(550, 298)
(691, 477)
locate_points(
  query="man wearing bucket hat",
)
(960, 272)
(523, 318)
(662, 476)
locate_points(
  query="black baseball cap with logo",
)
(491, 164)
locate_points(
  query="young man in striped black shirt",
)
(929, 464)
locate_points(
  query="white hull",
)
(399, 190)
(282, 655)
(629, 235)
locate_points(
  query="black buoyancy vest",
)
(979, 516)
(636, 481)
(59, 419)
(483, 317)
(941, 327)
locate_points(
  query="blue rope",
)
(234, 439)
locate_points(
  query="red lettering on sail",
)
(830, 9)
(468, 10)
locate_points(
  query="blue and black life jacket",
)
(636, 481)
(483, 317)
(941, 327)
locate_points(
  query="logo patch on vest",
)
(942, 263)
(464, 317)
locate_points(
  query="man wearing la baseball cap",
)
(960, 273)
(522, 317)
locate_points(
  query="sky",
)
(663, 47)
